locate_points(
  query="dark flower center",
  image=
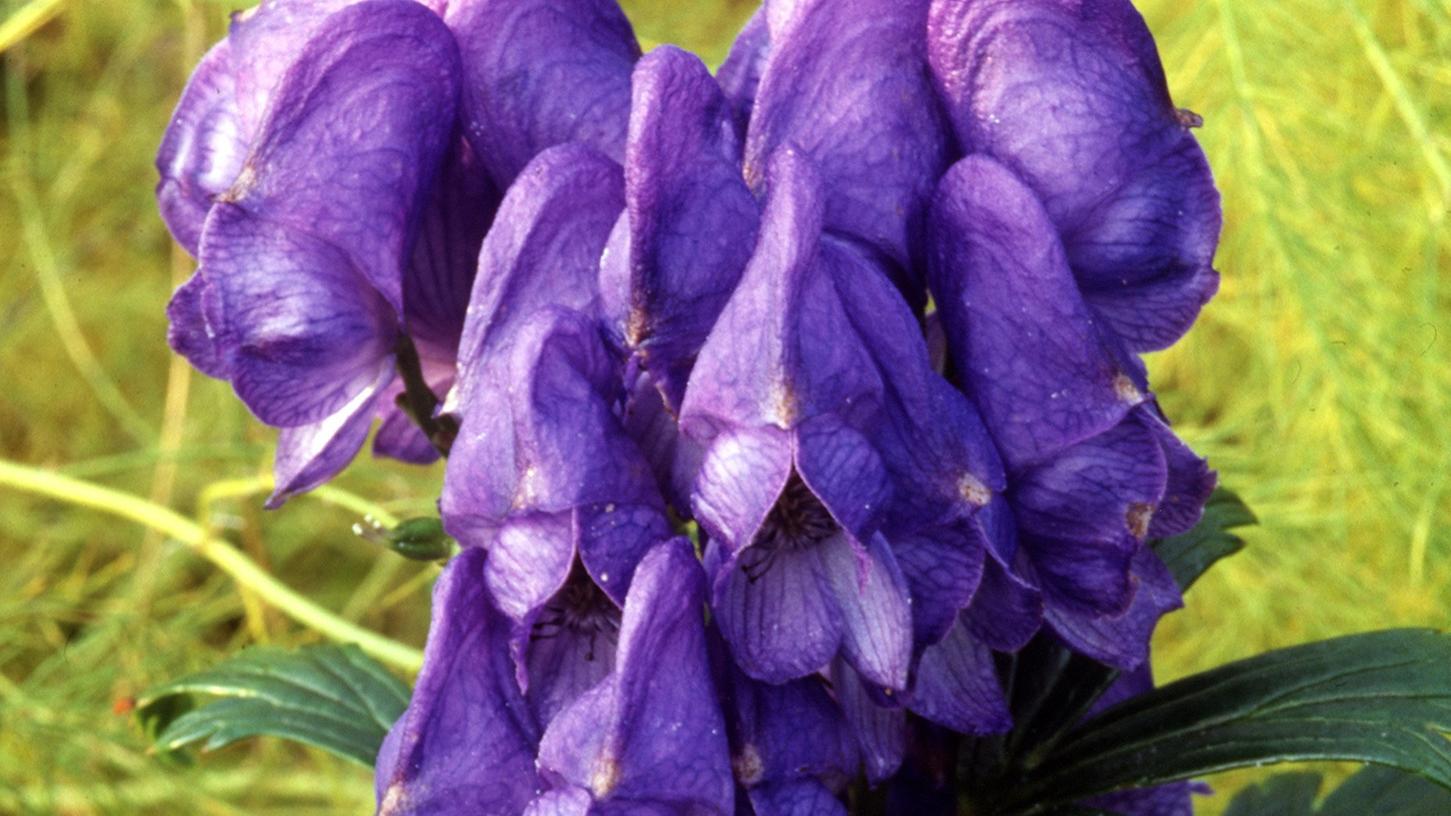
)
(797, 521)
(580, 609)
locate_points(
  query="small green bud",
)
(419, 539)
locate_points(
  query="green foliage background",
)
(1319, 382)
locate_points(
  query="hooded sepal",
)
(646, 737)
(465, 745)
(1072, 97)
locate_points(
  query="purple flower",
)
(845, 82)
(467, 742)
(1093, 466)
(646, 741)
(542, 469)
(636, 741)
(790, 489)
(1070, 95)
(791, 749)
(299, 292)
(238, 122)
(689, 223)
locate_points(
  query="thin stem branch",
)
(241, 568)
(419, 401)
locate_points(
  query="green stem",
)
(241, 568)
(419, 401)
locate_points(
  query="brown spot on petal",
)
(1138, 518)
(1126, 391)
(240, 187)
(973, 491)
(1188, 119)
(395, 800)
(748, 766)
(637, 327)
(783, 402)
(606, 776)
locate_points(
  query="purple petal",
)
(806, 797)
(303, 333)
(440, 275)
(399, 438)
(1026, 345)
(542, 250)
(783, 622)
(844, 472)
(1102, 488)
(956, 685)
(203, 148)
(1072, 97)
(1122, 640)
(943, 571)
(881, 732)
(563, 665)
(846, 82)
(740, 75)
(1084, 514)
(777, 357)
(349, 149)
(189, 333)
(940, 455)
(874, 609)
(529, 561)
(741, 476)
(561, 802)
(265, 41)
(741, 375)
(691, 220)
(559, 450)
(645, 735)
(788, 732)
(1190, 481)
(302, 263)
(540, 73)
(465, 745)
(1006, 611)
(308, 455)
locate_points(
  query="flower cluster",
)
(860, 313)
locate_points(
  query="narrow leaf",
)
(1286, 794)
(1382, 697)
(1189, 555)
(332, 697)
(1375, 790)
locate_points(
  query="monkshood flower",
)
(846, 83)
(300, 284)
(1070, 95)
(677, 250)
(689, 224)
(638, 741)
(1093, 467)
(566, 68)
(791, 750)
(543, 475)
(790, 489)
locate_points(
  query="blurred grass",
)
(1319, 382)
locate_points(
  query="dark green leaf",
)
(1373, 791)
(1189, 555)
(1286, 794)
(333, 697)
(1382, 697)
(1387, 792)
